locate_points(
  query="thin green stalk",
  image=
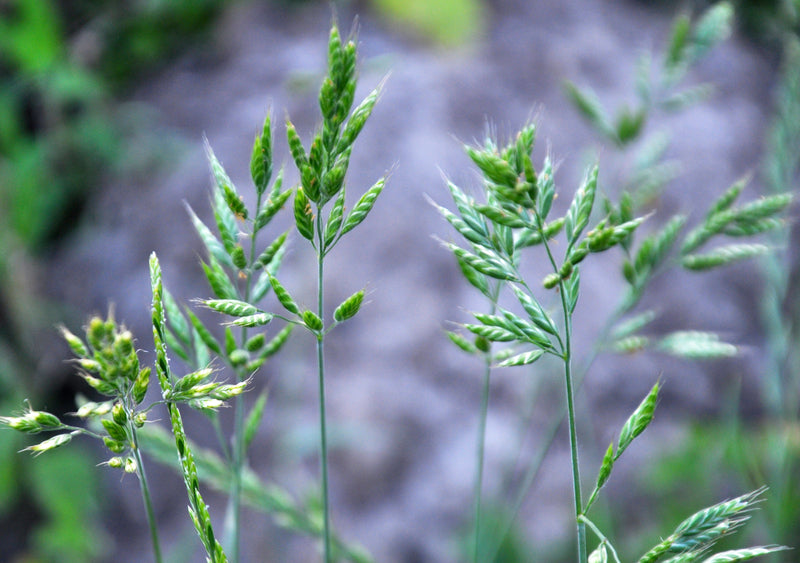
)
(600, 535)
(480, 453)
(232, 523)
(566, 348)
(552, 431)
(323, 432)
(482, 434)
(148, 503)
(573, 437)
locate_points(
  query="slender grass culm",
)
(322, 171)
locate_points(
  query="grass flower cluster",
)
(510, 218)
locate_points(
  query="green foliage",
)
(448, 22)
(60, 135)
(68, 534)
(762, 451)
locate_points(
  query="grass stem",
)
(323, 431)
(566, 349)
(480, 456)
(482, 435)
(148, 503)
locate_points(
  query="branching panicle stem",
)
(566, 343)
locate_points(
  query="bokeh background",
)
(103, 110)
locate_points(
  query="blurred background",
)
(103, 109)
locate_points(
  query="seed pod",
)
(21, 423)
(130, 465)
(327, 98)
(295, 145)
(96, 333)
(578, 254)
(238, 257)
(50, 444)
(99, 385)
(629, 272)
(483, 344)
(303, 215)
(283, 296)
(256, 342)
(261, 158)
(332, 181)
(310, 183)
(123, 344)
(315, 158)
(46, 419)
(75, 343)
(92, 366)
(94, 409)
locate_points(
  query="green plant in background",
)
(47, 146)
(766, 450)
(60, 136)
(781, 463)
(507, 222)
(513, 215)
(446, 22)
(765, 20)
(769, 453)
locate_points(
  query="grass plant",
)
(511, 217)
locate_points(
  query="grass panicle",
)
(323, 169)
(514, 214)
